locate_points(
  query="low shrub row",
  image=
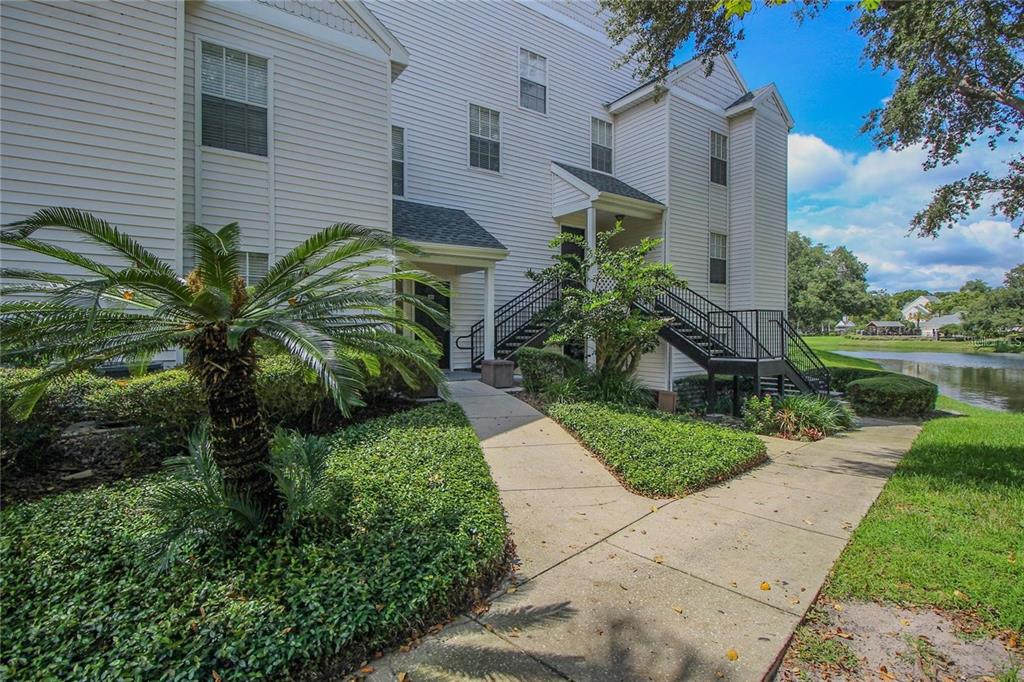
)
(841, 376)
(540, 368)
(165, 405)
(421, 531)
(892, 395)
(659, 454)
(797, 417)
(557, 378)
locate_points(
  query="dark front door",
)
(442, 335)
(575, 349)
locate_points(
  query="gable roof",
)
(766, 95)
(885, 323)
(656, 86)
(603, 182)
(381, 34)
(940, 321)
(439, 225)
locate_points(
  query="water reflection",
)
(993, 380)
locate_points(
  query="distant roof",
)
(439, 225)
(885, 323)
(845, 323)
(942, 320)
(603, 182)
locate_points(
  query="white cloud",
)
(865, 202)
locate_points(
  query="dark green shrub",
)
(24, 443)
(892, 395)
(759, 415)
(802, 417)
(423, 530)
(841, 376)
(541, 367)
(614, 387)
(660, 454)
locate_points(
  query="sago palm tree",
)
(331, 303)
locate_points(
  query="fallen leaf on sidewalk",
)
(366, 669)
(403, 677)
(732, 655)
(677, 609)
(658, 559)
(765, 586)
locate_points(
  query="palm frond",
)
(216, 255)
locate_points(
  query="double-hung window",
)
(719, 158)
(718, 258)
(252, 266)
(484, 138)
(533, 81)
(601, 145)
(234, 100)
(398, 161)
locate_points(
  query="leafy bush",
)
(422, 530)
(841, 376)
(892, 395)
(24, 443)
(803, 417)
(612, 386)
(542, 367)
(660, 454)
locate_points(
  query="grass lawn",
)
(416, 527)
(832, 359)
(948, 528)
(658, 454)
(882, 343)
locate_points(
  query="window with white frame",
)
(718, 258)
(533, 81)
(398, 161)
(484, 138)
(253, 266)
(601, 145)
(234, 100)
(719, 158)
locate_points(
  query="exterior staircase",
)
(755, 343)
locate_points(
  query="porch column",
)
(591, 353)
(408, 288)
(489, 313)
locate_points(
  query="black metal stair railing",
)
(511, 320)
(804, 360)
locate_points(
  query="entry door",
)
(443, 336)
(575, 349)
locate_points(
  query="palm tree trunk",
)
(239, 438)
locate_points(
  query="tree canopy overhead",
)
(961, 80)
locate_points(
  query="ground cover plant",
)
(659, 454)
(415, 525)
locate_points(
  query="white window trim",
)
(711, 240)
(405, 157)
(197, 129)
(501, 138)
(547, 87)
(711, 155)
(591, 149)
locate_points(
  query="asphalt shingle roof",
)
(745, 97)
(603, 182)
(438, 225)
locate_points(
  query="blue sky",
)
(842, 190)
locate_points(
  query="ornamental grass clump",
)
(797, 417)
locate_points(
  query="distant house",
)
(918, 309)
(932, 327)
(845, 325)
(884, 328)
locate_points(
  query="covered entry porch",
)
(452, 245)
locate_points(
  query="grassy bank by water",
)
(882, 343)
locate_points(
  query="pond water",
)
(992, 380)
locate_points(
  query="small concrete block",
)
(667, 401)
(497, 373)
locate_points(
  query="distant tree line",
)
(826, 284)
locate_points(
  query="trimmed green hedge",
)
(540, 368)
(165, 405)
(660, 454)
(892, 395)
(424, 529)
(841, 376)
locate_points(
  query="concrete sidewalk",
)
(615, 586)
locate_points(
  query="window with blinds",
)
(398, 161)
(533, 81)
(718, 258)
(601, 145)
(484, 138)
(253, 266)
(719, 158)
(234, 100)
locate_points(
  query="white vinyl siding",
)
(234, 102)
(533, 81)
(90, 120)
(253, 266)
(601, 145)
(484, 138)
(398, 161)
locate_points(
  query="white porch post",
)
(591, 355)
(489, 313)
